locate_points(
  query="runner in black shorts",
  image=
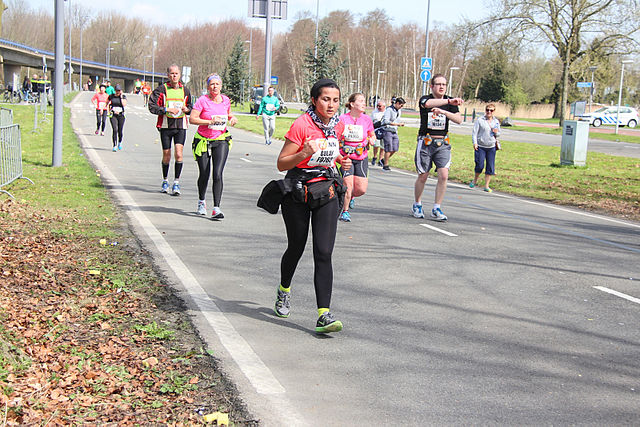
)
(436, 110)
(172, 103)
(358, 135)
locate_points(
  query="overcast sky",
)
(174, 13)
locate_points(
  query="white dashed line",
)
(618, 294)
(245, 160)
(431, 227)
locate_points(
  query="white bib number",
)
(436, 121)
(102, 105)
(270, 107)
(116, 110)
(219, 123)
(353, 133)
(175, 104)
(325, 156)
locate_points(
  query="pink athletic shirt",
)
(209, 109)
(356, 132)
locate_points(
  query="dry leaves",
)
(69, 352)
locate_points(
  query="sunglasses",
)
(489, 110)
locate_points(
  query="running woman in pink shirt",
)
(358, 135)
(211, 143)
(100, 101)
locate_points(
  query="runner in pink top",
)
(358, 135)
(100, 100)
(211, 143)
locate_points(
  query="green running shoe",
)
(327, 323)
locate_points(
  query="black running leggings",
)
(219, 152)
(324, 223)
(101, 119)
(117, 123)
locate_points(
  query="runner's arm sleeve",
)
(187, 93)
(474, 134)
(155, 100)
(261, 106)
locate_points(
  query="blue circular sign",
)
(425, 75)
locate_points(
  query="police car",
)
(608, 115)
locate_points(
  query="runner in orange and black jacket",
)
(172, 103)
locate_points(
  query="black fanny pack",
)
(319, 193)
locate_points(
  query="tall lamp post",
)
(144, 64)
(592, 69)
(378, 86)
(108, 55)
(153, 60)
(250, 41)
(450, 77)
(624, 61)
(426, 45)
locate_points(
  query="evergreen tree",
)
(327, 64)
(235, 76)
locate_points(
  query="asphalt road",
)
(514, 312)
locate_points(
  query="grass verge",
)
(608, 184)
(89, 333)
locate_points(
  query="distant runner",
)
(268, 107)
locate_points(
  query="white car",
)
(608, 115)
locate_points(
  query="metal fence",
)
(10, 156)
(6, 117)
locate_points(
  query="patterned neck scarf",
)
(327, 129)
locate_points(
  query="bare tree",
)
(568, 24)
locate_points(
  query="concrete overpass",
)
(14, 56)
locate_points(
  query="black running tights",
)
(117, 123)
(219, 152)
(101, 119)
(324, 223)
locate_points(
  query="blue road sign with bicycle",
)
(425, 63)
(425, 75)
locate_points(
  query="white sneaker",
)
(417, 211)
(202, 208)
(438, 215)
(217, 213)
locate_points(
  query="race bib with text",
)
(436, 121)
(326, 155)
(219, 123)
(175, 104)
(353, 133)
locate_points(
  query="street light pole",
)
(144, 64)
(450, 77)
(624, 61)
(593, 68)
(250, 41)
(426, 45)
(70, 69)
(109, 49)
(153, 60)
(378, 86)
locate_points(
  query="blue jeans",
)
(488, 154)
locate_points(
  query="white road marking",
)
(431, 227)
(618, 294)
(246, 160)
(258, 374)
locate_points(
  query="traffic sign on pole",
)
(584, 84)
(425, 75)
(274, 80)
(425, 63)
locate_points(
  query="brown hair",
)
(352, 98)
(490, 105)
(435, 76)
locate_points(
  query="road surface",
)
(513, 312)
